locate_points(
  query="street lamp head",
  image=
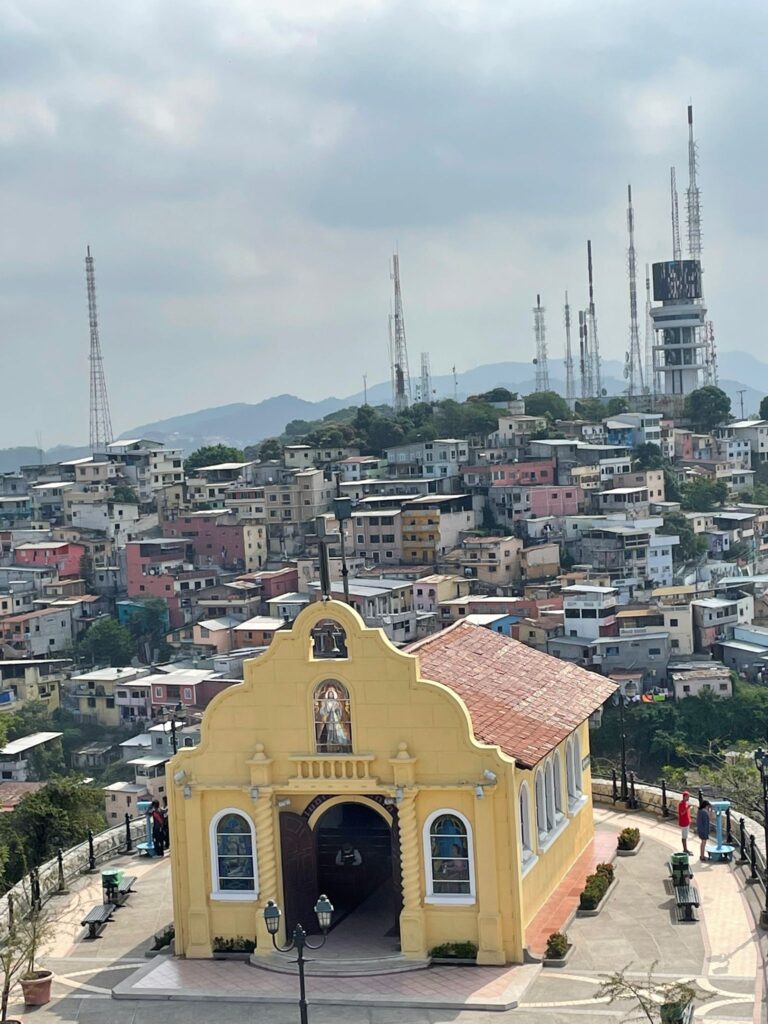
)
(272, 917)
(324, 911)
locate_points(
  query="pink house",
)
(560, 500)
(535, 472)
(60, 555)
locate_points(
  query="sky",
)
(243, 171)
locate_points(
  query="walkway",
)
(560, 909)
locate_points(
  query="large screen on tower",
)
(677, 279)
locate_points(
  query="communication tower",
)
(677, 249)
(570, 393)
(401, 380)
(540, 333)
(634, 368)
(100, 420)
(426, 378)
(650, 368)
(593, 345)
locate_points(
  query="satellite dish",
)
(604, 392)
(535, 362)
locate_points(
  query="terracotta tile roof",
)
(524, 701)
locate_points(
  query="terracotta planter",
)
(37, 988)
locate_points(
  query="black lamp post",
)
(618, 698)
(761, 760)
(299, 941)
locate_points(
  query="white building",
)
(16, 756)
(589, 612)
(440, 458)
(754, 431)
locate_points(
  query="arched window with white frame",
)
(577, 765)
(569, 773)
(557, 767)
(234, 871)
(449, 862)
(526, 840)
(541, 806)
(549, 779)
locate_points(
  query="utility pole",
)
(741, 393)
(365, 389)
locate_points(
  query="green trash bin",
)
(680, 868)
(110, 880)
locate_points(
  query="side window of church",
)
(449, 868)
(333, 722)
(234, 859)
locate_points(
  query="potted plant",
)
(659, 1003)
(35, 983)
(558, 948)
(232, 949)
(628, 842)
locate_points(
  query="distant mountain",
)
(12, 458)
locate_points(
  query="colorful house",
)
(442, 792)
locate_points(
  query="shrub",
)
(164, 938)
(557, 946)
(628, 838)
(607, 870)
(595, 888)
(236, 945)
(455, 951)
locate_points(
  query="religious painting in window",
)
(449, 852)
(234, 854)
(329, 640)
(333, 723)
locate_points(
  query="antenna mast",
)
(426, 378)
(540, 333)
(401, 380)
(592, 342)
(634, 368)
(101, 421)
(585, 365)
(650, 369)
(570, 393)
(692, 195)
(677, 249)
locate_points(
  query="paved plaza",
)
(721, 952)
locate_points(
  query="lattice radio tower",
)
(426, 379)
(650, 368)
(101, 421)
(634, 367)
(398, 351)
(677, 249)
(592, 342)
(585, 364)
(540, 334)
(570, 392)
(693, 209)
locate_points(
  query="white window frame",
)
(232, 895)
(528, 853)
(448, 899)
(549, 779)
(540, 790)
(557, 768)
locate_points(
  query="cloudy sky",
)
(243, 170)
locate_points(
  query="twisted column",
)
(264, 823)
(412, 938)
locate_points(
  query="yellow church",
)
(443, 789)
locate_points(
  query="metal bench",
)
(687, 897)
(118, 894)
(97, 919)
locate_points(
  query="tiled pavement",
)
(557, 912)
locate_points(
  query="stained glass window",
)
(234, 854)
(333, 723)
(449, 854)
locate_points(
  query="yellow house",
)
(443, 791)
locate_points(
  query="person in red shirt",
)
(684, 818)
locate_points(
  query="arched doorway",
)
(353, 843)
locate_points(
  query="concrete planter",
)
(447, 961)
(601, 904)
(228, 955)
(37, 989)
(560, 961)
(630, 853)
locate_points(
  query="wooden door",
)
(297, 845)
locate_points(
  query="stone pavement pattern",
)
(721, 952)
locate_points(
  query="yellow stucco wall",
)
(412, 743)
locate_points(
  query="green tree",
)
(706, 407)
(764, 408)
(703, 495)
(497, 395)
(124, 492)
(86, 569)
(547, 403)
(616, 406)
(211, 455)
(591, 409)
(648, 456)
(56, 816)
(149, 625)
(691, 546)
(271, 448)
(107, 643)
